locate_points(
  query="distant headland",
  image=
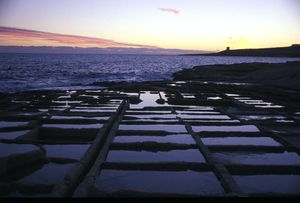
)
(291, 51)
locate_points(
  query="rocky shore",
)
(281, 74)
(291, 51)
(190, 137)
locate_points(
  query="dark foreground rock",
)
(280, 74)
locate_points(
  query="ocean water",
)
(20, 72)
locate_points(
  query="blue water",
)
(19, 72)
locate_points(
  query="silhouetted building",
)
(227, 48)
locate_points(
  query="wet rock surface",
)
(164, 138)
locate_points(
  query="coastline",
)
(285, 75)
(181, 130)
(291, 51)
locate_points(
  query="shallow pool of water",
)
(196, 112)
(211, 121)
(5, 124)
(279, 184)
(50, 173)
(240, 128)
(10, 149)
(178, 139)
(261, 117)
(194, 116)
(12, 134)
(176, 182)
(148, 112)
(148, 99)
(73, 126)
(255, 141)
(72, 151)
(92, 110)
(152, 116)
(80, 117)
(258, 158)
(187, 155)
(156, 127)
(158, 121)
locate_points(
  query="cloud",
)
(170, 10)
(16, 36)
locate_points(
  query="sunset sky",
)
(182, 24)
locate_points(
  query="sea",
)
(22, 72)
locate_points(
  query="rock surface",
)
(280, 74)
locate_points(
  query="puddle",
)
(178, 139)
(151, 120)
(284, 130)
(176, 182)
(212, 121)
(196, 112)
(232, 95)
(251, 101)
(243, 98)
(93, 91)
(89, 96)
(269, 106)
(64, 97)
(23, 114)
(173, 85)
(72, 126)
(93, 110)
(284, 121)
(259, 158)
(280, 184)
(256, 141)
(148, 112)
(58, 109)
(261, 117)
(148, 99)
(66, 102)
(72, 151)
(5, 124)
(180, 82)
(240, 128)
(259, 103)
(50, 173)
(115, 100)
(188, 155)
(194, 116)
(96, 108)
(43, 110)
(214, 98)
(233, 83)
(20, 102)
(188, 95)
(152, 116)
(136, 94)
(12, 134)
(194, 108)
(158, 127)
(10, 149)
(80, 117)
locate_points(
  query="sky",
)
(210, 25)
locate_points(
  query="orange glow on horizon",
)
(24, 37)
